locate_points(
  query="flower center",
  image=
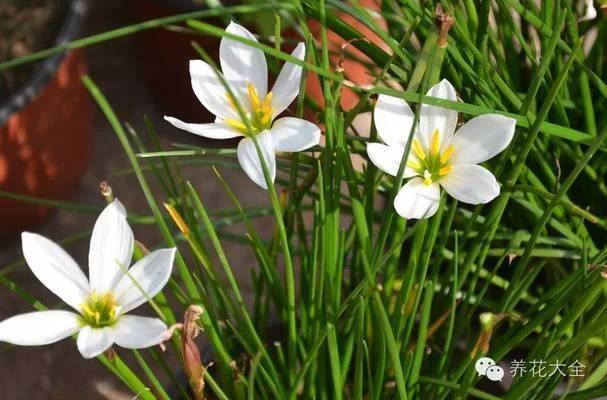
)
(431, 164)
(99, 311)
(260, 117)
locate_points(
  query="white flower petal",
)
(482, 138)
(145, 279)
(213, 130)
(433, 117)
(111, 248)
(55, 269)
(243, 64)
(250, 161)
(210, 90)
(94, 341)
(294, 134)
(588, 10)
(39, 328)
(388, 159)
(417, 200)
(470, 184)
(133, 332)
(393, 119)
(286, 87)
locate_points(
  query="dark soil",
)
(26, 26)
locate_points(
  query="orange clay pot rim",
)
(187, 5)
(72, 25)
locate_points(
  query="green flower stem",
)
(113, 120)
(128, 377)
(242, 308)
(289, 270)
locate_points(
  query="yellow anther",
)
(445, 170)
(267, 103)
(259, 115)
(413, 164)
(235, 124)
(418, 149)
(99, 311)
(427, 178)
(435, 146)
(266, 118)
(87, 309)
(253, 97)
(447, 154)
(231, 101)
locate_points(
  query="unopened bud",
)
(487, 320)
(106, 191)
(192, 364)
(191, 355)
(444, 21)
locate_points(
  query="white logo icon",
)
(495, 373)
(482, 364)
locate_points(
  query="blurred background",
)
(55, 143)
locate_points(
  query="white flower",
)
(438, 156)
(102, 301)
(587, 10)
(246, 72)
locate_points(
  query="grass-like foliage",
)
(350, 300)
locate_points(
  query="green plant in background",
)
(372, 305)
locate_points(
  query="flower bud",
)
(106, 191)
(191, 355)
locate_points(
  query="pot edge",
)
(71, 27)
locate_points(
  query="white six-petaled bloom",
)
(103, 300)
(439, 156)
(246, 72)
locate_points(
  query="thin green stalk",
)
(113, 120)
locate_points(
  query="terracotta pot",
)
(164, 56)
(44, 132)
(354, 69)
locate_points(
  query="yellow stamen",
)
(259, 116)
(99, 311)
(235, 124)
(418, 149)
(87, 309)
(267, 102)
(435, 146)
(445, 170)
(427, 178)
(413, 164)
(447, 154)
(253, 97)
(265, 119)
(231, 101)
